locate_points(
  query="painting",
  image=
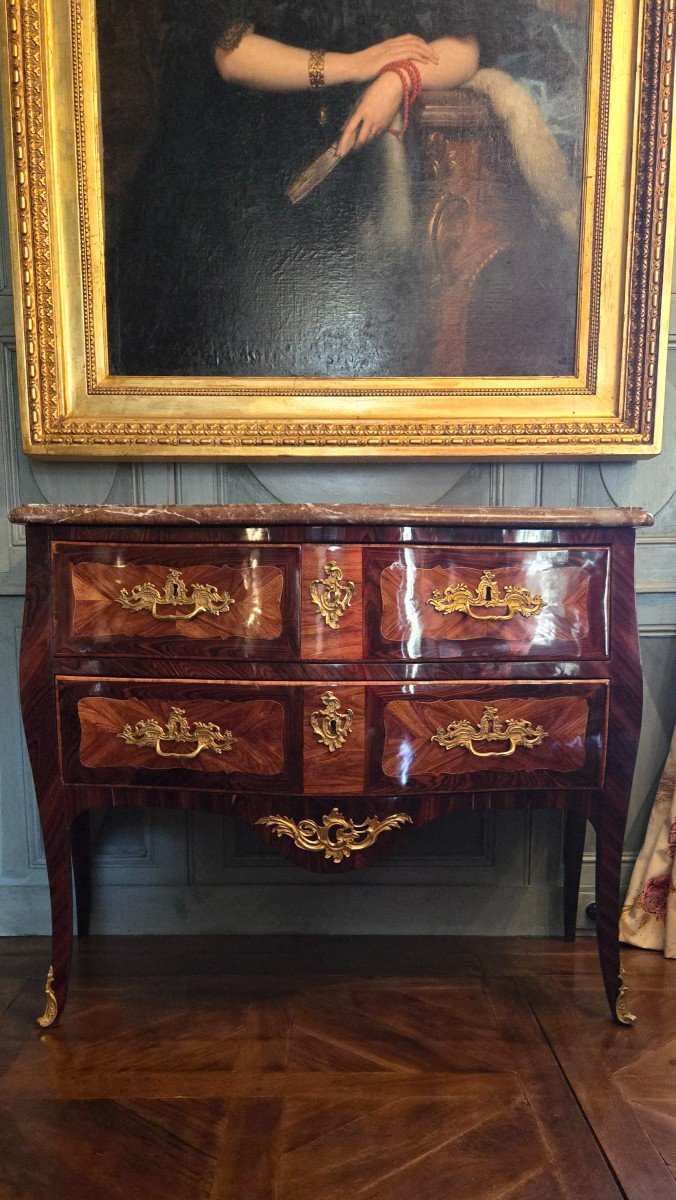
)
(272, 227)
(212, 270)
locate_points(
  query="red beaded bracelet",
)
(411, 83)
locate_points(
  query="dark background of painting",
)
(129, 39)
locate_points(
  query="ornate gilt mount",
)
(330, 595)
(337, 836)
(178, 730)
(51, 1008)
(202, 598)
(624, 1016)
(332, 726)
(458, 598)
(489, 729)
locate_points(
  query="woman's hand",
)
(374, 113)
(365, 64)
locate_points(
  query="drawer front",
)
(490, 603)
(467, 737)
(333, 739)
(180, 601)
(332, 603)
(145, 734)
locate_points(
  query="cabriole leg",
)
(609, 844)
(80, 837)
(58, 854)
(575, 827)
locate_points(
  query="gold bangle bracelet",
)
(315, 68)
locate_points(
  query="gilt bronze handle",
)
(458, 598)
(178, 730)
(462, 734)
(203, 597)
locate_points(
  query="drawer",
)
(480, 736)
(179, 601)
(486, 603)
(332, 739)
(180, 735)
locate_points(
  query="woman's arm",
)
(260, 62)
(458, 60)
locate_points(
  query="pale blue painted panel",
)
(21, 859)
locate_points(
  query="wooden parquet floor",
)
(336, 1069)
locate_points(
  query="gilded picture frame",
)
(609, 404)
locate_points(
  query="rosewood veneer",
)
(332, 677)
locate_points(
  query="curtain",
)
(648, 918)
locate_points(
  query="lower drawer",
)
(327, 739)
(180, 735)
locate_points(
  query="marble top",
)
(321, 514)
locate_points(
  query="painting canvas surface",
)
(452, 251)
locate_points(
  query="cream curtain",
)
(648, 918)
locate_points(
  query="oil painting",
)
(208, 116)
(364, 228)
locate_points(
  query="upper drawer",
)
(489, 603)
(180, 601)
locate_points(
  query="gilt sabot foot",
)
(51, 1008)
(622, 1012)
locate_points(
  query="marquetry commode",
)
(332, 677)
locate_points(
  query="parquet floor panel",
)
(336, 1069)
(626, 1085)
(9, 990)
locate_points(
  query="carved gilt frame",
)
(72, 408)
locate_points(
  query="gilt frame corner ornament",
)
(71, 407)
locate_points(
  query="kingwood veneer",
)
(332, 677)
